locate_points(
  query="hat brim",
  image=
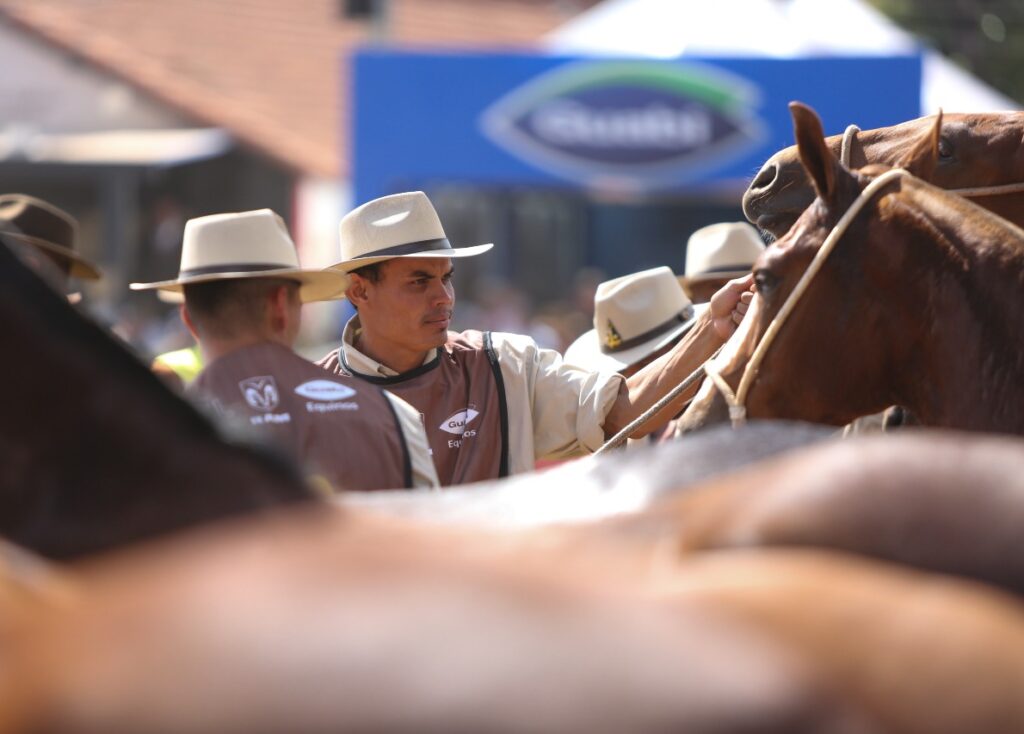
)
(172, 297)
(80, 267)
(347, 266)
(316, 285)
(705, 277)
(586, 350)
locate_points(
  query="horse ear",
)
(922, 158)
(819, 162)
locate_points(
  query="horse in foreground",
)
(96, 451)
(919, 305)
(320, 622)
(979, 155)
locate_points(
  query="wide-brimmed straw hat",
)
(252, 244)
(401, 225)
(36, 222)
(634, 317)
(721, 251)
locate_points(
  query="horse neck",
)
(1008, 206)
(967, 363)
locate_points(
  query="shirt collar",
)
(360, 362)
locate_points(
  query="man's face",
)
(411, 304)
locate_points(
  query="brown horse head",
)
(917, 305)
(973, 150)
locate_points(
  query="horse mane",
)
(940, 204)
(97, 450)
(989, 253)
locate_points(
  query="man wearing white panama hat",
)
(717, 254)
(243, 292)
(636, 318)
(492, 403)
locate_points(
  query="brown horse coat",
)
(977, 149)
(944, 502)
(96, 451)
(316, 623)
(319, 623)
(918, 305)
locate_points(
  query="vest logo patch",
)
(456, 423)
(260, 392)
(324, 390)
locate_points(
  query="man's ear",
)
(357, 290)
(187, 320)
(280, 303)
(922, 158)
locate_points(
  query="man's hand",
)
(730, 303)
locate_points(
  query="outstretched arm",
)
(650, 384)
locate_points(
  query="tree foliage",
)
(986, 37)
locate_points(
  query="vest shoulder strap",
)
(404, 441)
(492, 357)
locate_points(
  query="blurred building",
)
(136, 115)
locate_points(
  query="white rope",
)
(737, 400)
(989, 190)
(849, 135)
(620, 438)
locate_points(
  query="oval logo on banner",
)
(644, 121)
(324, 390)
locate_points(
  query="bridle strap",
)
(846, 151)
(737, 400)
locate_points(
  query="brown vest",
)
(461, 396)
(338, 428)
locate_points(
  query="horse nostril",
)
(765, 178)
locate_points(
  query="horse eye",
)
(765, 280)
(945, 149)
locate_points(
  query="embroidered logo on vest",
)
(456, 423)
(260, 392)
(324, 390)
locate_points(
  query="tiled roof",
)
(268, 70)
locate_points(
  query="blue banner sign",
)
(638, 125)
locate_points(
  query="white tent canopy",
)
(771, 28)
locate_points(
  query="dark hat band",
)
(725, 269)
(680, 318)
(233, 268)
(410, 248)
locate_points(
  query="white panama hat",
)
(724, 250)
(634, 316)
(400, 225)
(253, 244)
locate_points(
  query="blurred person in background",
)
(178, 367)
(45, 238)
(492, 403)
(243, 292)
(637, 318)
(717, 254)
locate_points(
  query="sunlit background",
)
(135, 115)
